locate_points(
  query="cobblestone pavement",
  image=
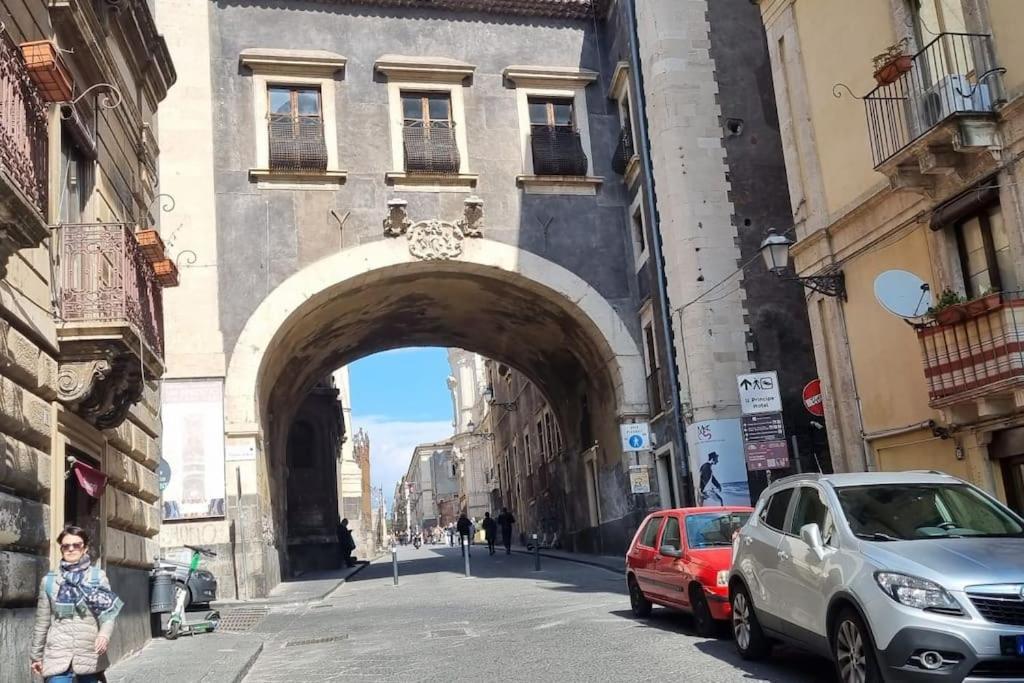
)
(569, 622)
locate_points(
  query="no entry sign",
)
(812, 398)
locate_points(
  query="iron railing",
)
(297, 144)
(953, 75)
(975, 349)
(23, 127)
(431, 149)
(624, 151)
(105, 280)
(557, 150)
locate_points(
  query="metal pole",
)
(796, 455)
(465, 552)
(394, 563)
(536, 554)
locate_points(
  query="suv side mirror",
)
(811, 535)
(670, 551)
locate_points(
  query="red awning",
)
(92, 481)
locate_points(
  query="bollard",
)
(465, 553)
(394, 563)
(536, 554)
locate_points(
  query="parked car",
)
(202, 587)
(680, 558)
(910, 576)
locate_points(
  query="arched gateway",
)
(439, 284)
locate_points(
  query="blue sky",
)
(401, 399)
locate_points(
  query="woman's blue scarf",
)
(80, 595)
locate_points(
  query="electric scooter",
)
(177, 625)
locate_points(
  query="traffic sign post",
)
(813, 399)
(636, 436)
(764, 442)
(759, 393)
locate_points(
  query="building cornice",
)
(549, 76)
(306, 62)
(555, 9)
(434, 69)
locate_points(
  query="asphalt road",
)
(568, 622)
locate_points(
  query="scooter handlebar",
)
(202, 551)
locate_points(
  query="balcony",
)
(297, 144)
(23, 154)
(557, 151)
(110, 321)
(975, 355)
(943, 106)
(431, 149)
(624, 153)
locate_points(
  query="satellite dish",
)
(903, 294)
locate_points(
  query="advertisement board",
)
(193, 448)
(718, 467)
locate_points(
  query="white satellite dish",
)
(903, 294)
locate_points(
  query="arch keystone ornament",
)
(435, 240)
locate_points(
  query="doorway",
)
(80, 508)
(666, 482)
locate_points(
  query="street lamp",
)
(489, 397)
(486, 436)
(775, 251)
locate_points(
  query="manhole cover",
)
(448, 633)
(316, 641)
(242, 619)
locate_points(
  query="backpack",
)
(92, 580)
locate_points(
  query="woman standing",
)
(75, 615)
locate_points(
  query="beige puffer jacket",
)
(68, 644)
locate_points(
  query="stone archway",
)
(483, 295)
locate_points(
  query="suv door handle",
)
(783, 555)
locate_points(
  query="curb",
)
(363, 564)
(244, 671)
(590, 563)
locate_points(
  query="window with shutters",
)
(296, 129)
(428, 133)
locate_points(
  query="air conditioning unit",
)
(953, 94)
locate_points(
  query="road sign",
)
(636, 436)
(759, 393)
(762, 428)
(640, 480)
(813, 399)
(766, 455)
(163, 473)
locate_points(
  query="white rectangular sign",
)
(636, 436)
(640, 481)
(759, 393)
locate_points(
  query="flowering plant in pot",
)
(893, 62)
(953, 307)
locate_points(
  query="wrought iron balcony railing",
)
(954, 75)
(624, 151)
(23, 136)
(557, 150)
(974, 350)
(431, 149)
(297, 144)
(106, 281)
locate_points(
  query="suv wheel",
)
(854, 651)
(641, 605)
(751, 641)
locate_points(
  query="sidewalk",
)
(222, 657)
(614, 563)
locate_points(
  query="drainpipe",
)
(651, 205)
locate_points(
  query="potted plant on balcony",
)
(893, 62)
(47, 70)
(166, 272)
(953, 307)
(150, 244)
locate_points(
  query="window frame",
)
(651, 365)
(679, 528)
(397, 89)
(828, 525)
(983, 216)
(763, 514)
(658, 520)
(640, 249)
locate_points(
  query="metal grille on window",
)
(431, 148)
(624, 151)
(297, 144)
(557, 150)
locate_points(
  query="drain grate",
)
(316, 641)
(448, 633)
(242, 619)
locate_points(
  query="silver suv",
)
(907, 576)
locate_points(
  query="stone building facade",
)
(902, 180)
(81, 332)
(479, 176)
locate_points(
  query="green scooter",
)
(176, 624)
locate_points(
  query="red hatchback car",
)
(680, 558)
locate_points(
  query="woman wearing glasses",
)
(75, 615)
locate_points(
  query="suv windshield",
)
(713, 529)
(900, 512)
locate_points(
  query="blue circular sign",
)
(636, 441)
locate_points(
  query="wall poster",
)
(193, 448)
(717, 462)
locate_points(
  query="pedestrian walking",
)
(451, 534)
(346, 544)
(505, 522)
(490, 531)
(465, 528)
(75, 616)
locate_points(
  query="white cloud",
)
(392, 442)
